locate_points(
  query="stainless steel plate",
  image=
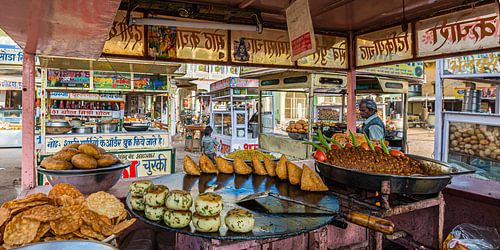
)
(111, 168)
(68, 244)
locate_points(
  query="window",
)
(296, 106)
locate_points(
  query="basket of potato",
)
(298, 130)
(86, 166)
(475, 140)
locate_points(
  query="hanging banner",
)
(147, 162)
(112, 80)
(84, 96)
(83, 112)
(124, 39)
(481, 64)
(392, 44)
(270, 47)
(144, 82)
(330, 53)
(234, 82)
(68, 78)
(487, 92)
(467, 30)
(300, 29)
(10, 85)
(412, 70)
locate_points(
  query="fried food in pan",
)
(190, 166)
(206, 165)
(65, 154)
(84, 161)
(223, 165)
(240, 167)
(270, 167)
(72, 145)
(311, 181)
(89, 149)
(294, 173)
(53, 164)
(258, 167)
(106, 160)
(281, 169)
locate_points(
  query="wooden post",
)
(28, 130)
(351, 86)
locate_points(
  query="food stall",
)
(114, 110)
(233, 103)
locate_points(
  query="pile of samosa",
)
(308, 179)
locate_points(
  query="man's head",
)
(367, 107)
(208, 131)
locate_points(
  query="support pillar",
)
(28, 130)
(438, 110)
(351, 87)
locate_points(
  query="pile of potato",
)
(474, 139)
(299, 126)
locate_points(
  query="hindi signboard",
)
(112, 80)
(234, 82)
(479, 64)
(84, 96)
(68, 78)
(146, 82)
(124, 39)
(411, 70)
(147, 162)
(300, 29)
(467, 30)
(392, 44)
(330, 53)
(271, 47)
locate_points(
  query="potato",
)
(475, 147)
(468, 146)
(454, 143)
(480, 136)
(106, 160)
(65, 154)
(72, 145)
(452, 136)
(298, 126)
(487, 151)
(84, 161)
(53, 164)
(471, 132)
(89, 149)
(467, 139)
(484, 142)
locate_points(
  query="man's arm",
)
(376, 132)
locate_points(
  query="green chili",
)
(331, 140)
(369, 143)
(315, 145)
(323, 141)
(353, 139)
(382, 145)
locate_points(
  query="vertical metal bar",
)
(310, 106)
(351, 86)
(259, 106)
(404, 102)
(497, 101)
(28, 129)
(440, 232)
(438, 111)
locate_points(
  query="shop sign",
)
(86, 96)
(187, 43)
(392, 44)
(112, 81)
(330, 53)
(487, 92)
(81, 112)
(483, 64)
(234, 82)
(472, 29)
(109, 142)
(10, 85)
(124, 39)
(146, 82)
(146, 163)
(271, 47)
(68, 78)
(300, 29)
(412, 70)
(13, 55)
(228, 146)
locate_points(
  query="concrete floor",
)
(421, 142)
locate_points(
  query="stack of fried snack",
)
(285, 170)
(81, 156)
(206, 217)
(63, 214)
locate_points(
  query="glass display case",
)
(473, 140)
(11, 127)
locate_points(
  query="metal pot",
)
(82, 130)
(57, 127)
(107, 127)
(76, 123)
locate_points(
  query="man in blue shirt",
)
(373, 126)
(208, 143)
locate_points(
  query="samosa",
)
(190, 166)
(206, 165)
(258, 167)
(223, 165)
(294, 173)
(270, 167)
(240, 167)
(311, 181)
(281, 169)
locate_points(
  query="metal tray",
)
(276, 157)
(111, 168)
(133, 128)
(414, 184)
(232, 188)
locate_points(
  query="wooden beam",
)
(28, 130)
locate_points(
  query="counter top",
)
(158, 131)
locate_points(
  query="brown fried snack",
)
(190, 166)
(22, 204)
(4, 216)
(101, 150)
(59, 191)
(65, 154)
(88, 231)
(70, 222)
(223, 166)
(258, 167)
(20, 230)
(84, 161)
(270, 166)
(311, 181)
(206, 165)
(44, 213)
(99, 223)
(72, 145)
(281, 168)
(53, 164)
(240, 167)
(42, 230)
(105, 204)
(89, 149)
(106, 160)
(294, 173)
(118, 228)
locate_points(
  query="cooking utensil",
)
(136, 127)
(68, 244)
(234, 187)
(413, 184)
(298, 136)
(249, 162)
(108, 127)
(365, 220)
(82, 130)
(76, 123)
(87, 180)
(57, 127)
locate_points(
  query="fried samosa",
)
(311, 181)
(240, 167)
(190, 166)
(258, 167)
(294, 173)
(281, 169)
(270, 167)
(206, 165)
(223, 166)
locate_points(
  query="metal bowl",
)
(82, 130)
(298, 136)
(110, 127)
(87, 180)
(137, 127)
(69, 244)
(57, 127)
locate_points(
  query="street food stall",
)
(115, 110)
(232, 106)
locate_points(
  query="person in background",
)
(373, 126)
(208, 143)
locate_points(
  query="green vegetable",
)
(331, 140)
(323, 141)
(369, 143)
(317, 146)
(384, 148)
(353, 139)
